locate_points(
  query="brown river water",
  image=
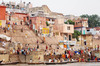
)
(69, 64)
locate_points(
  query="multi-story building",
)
(64, 30)
(37, 23)
(2, 16)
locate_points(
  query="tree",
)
(76, 34)
(70, 22)
(93, 20)
(47, 23)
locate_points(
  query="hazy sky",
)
(75, 7)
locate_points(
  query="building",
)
(86, 41)
(2, 16)
(83, 22)
(79, 22)
(16, 18)
(37, 23)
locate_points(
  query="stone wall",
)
(4, 57)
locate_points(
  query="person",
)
(18, 52)
(46, 47)
(21, 22)
(65, 52)
(50, 60)
(37, 46)
(37, 41)
(5, 30)
(30, 60)
(22, 30)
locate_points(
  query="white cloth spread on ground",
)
(5, 37)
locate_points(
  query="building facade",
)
(2, 16)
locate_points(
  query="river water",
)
(69, 64)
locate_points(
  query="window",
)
(9, 18)
(88, 30)
(68, 28)
(65, 38)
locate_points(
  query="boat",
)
(36, 63)
(9, 63)
(53, 63)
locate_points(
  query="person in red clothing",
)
(81, 51)
(96, 59)
(37, 41)
(46, 47)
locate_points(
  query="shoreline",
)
(62, 63)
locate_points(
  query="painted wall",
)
(39, 22)
(2, 12)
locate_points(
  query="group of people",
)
(76, 55)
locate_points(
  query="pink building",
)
(65, 30)
(16, 17)
(37, 23)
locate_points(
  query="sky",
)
(67, 7)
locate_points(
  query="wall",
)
(2, 12)
(65, 30)
(2, 16)
(16, 17)
(2, 23)
(88, 38)
(36, 56)
(39, 22)
(5, 57)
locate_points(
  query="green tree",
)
(76, 34)
(47, 23)
(70, 22)
(93, 20)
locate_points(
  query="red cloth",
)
(81, 51)
(46, 47)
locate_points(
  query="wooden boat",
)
(53, 63)
(9, 63)
(92, 61)
(36, 63)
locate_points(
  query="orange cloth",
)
(65, 46)
(44, 38)
(63, 55)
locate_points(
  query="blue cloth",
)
(66, 56)
(8, 28)
(75, 52)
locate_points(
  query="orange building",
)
(2, 12)
(2, 16)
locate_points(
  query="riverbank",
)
(69, 64)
